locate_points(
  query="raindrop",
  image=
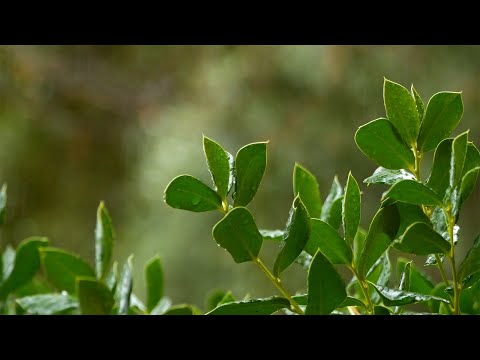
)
(195, 201)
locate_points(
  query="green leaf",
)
(162, 307)
(472, 159)
(459, 153)
(104, 239)
(444, 111)
(305, 184)
(214, 298)
(238, 234)
(154, 280)
(124, 290)
(351, 301)
(48, 304)
(297, 233)
(250, 164)
(405, 277)
(467, 186)
(409, 214)
(188, 193)
(439, 179)
(27, 263)
(332, 207)
(227, 298)
(3, 203)
(351, 209)
(401, 110)
(358, 244)
(8, 262)
(112, 278)
(421, 239)
(393, 297)
(380, 235)
(181, 309)
(94, 296)
(381, 271)
(220, 165)
(388, 176)
(418, 281)
(471, 262)
(61, 268)
(275, 235)
(379, 141)
(381, 310)
(326, 239)
(413, 192)
(326, 289)
(265, 306)
(418, 103)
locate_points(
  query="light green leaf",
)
(104, 239)
(351, 209)
(214, 298)
(180, 309)
(326, 239)
(265, 306)
(112, 278)
(413, 192)
(379, 141)
(439, 179)
(358, 244)
(459, 153)
(61, 268)
(388, 176)
(297, 233)
(393, 297)
(305, 184)
(250, 164)
(471, 262)
(48, 304)
(162, 307)
(275, 235)
(418, 103)
(188, 193)
(220, 164)
(238, 234)
(125, 286)
(94, 296)
(153, 273)
(8, 262)
(401, 110)
(421, 239)
(444, 111)
(3, 203)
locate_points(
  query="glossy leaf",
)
(188, 193)
(326, 289)
(48, 304)
(238, 234)
(459, 153)
(27, 263)
(125, 286)
(265, 306)
(326, 239)
(94, 296)
(421, 239)
(380, 235)
(418, 281)
(351, 209)
(306, 186)
(409, 214)
(220, 165)
(275, 235)
(418, 103)
(380, 310)
(405, 277)
(332, 207)
(297, 233)
(153, 273)
(250, 164)
(393, 297)
(379, 141)
(104, 239)
(439, 179)
(401, 110)
(443, 113)
(3, 203)
(112, 278)
(388, 176)
(8, 262)
(413, 192)
(62, 268)
(162, 307)
(471, 262)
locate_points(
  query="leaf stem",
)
(364, 286)
(278, 283)
(456, 286)
(440, 267)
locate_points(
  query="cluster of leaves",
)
(415, 216)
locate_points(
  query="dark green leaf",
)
(351, 209)
(388, 176)
(104, 239)
(154, 280)
(351, 301)
(3, 203)
(418, 281)
(444, 111)
(393, 297)
(418, 103)
(188, 193)
(238, 234)
(250, 164)
(380, 235)
(125, 287)
(305, 184)
(27, 263)
(471, 262)
(275, 235)
(332, 207)
(413, 192)
(439, 178)
(220, 165)
(467, 186)
(94, 296)
(439, 292)
(472, 159)
(379, 274)
(297, 233)
(214, 298)
(421, 239)
(112, 278)
(334, 217)
(47, 304)
(409, 214)
(401, 110)
(379, 141)
(62, 267)
(326, 289)
(326, 239)
(380, 310)
(459, 153)
(252, 307)
(181, 309)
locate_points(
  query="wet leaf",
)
(388, 176)
(220, 164)
(265, 306)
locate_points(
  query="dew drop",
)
(195, 201)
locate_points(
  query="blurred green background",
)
(80, 124)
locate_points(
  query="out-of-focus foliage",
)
(79, 124)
